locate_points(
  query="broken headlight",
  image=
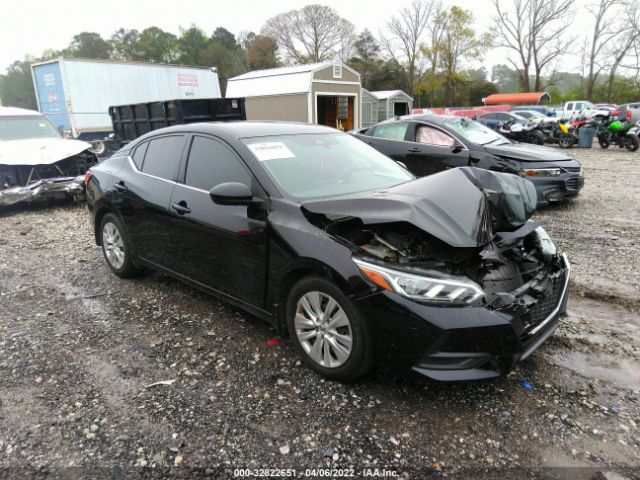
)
(545, 243)
(432, 287)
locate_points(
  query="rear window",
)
(163, 155)
(138, 154)
(391, 131)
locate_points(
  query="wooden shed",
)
(369, 108)
(326, 93)
(392, 103)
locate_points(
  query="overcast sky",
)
(32, 26)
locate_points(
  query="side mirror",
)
(231, 193)
(457, 147)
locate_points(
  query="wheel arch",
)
(302, 268)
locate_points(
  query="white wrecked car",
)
(36, 162)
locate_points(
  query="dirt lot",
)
(80, 347)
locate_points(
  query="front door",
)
(222, 247)
(433, 150)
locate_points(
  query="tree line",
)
(427, 48)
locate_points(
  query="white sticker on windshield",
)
(270, 150)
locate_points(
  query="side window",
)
(211, 163)
(579, 106)
(433, 136)
(163, 156)
(503, 117)
(570, 106)
(391, 131)
(138, 154)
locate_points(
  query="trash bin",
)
(585, 137)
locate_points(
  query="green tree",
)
(16, 86)
(479, 90)
(506, 78)
(459, 44)
(366, 59)
(191, 45)
(226, 39)
(88, 45)
(156, 45)
(124, 44)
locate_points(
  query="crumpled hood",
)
(527, 152)
(462, 207)
(39, 151)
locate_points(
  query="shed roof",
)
(508, 98)
(277, 81)
(386, 94)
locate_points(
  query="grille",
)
(573, 169)
(573, 183)
(546, 303)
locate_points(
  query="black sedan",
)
(429, 144)
(337, 245)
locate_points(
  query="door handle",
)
(120, 186)
(414, 150)
(180, 208)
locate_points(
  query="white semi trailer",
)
(76, 93)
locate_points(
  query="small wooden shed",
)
(326, 93)
(392, 103)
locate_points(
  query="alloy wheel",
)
(323, 329)
(113, 245)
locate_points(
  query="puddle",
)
(619, 371)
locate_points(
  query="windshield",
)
(320, 165)
(22, 128)
(473, 131)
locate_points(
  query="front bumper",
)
(464, 343)
(49, 189)
(557, 189)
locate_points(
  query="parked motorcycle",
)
(529, 133)
(623, 133)
(560, 132)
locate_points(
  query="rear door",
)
(223, 247)
(488, 119)
(390, 139)
(432, 150)
(142, 191)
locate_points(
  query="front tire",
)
(632, 143)
(116, 247)
(565, 141)
(328, 330)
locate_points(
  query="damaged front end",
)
(42, 182)
(479, 283)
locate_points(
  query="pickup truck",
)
(581, 107)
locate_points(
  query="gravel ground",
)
(80, 347)
(600, 230)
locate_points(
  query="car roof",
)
(243, 129)
(17, 112)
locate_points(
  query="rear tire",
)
(604, 142)
(327, 330)
(537, 138)
(116, 247)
